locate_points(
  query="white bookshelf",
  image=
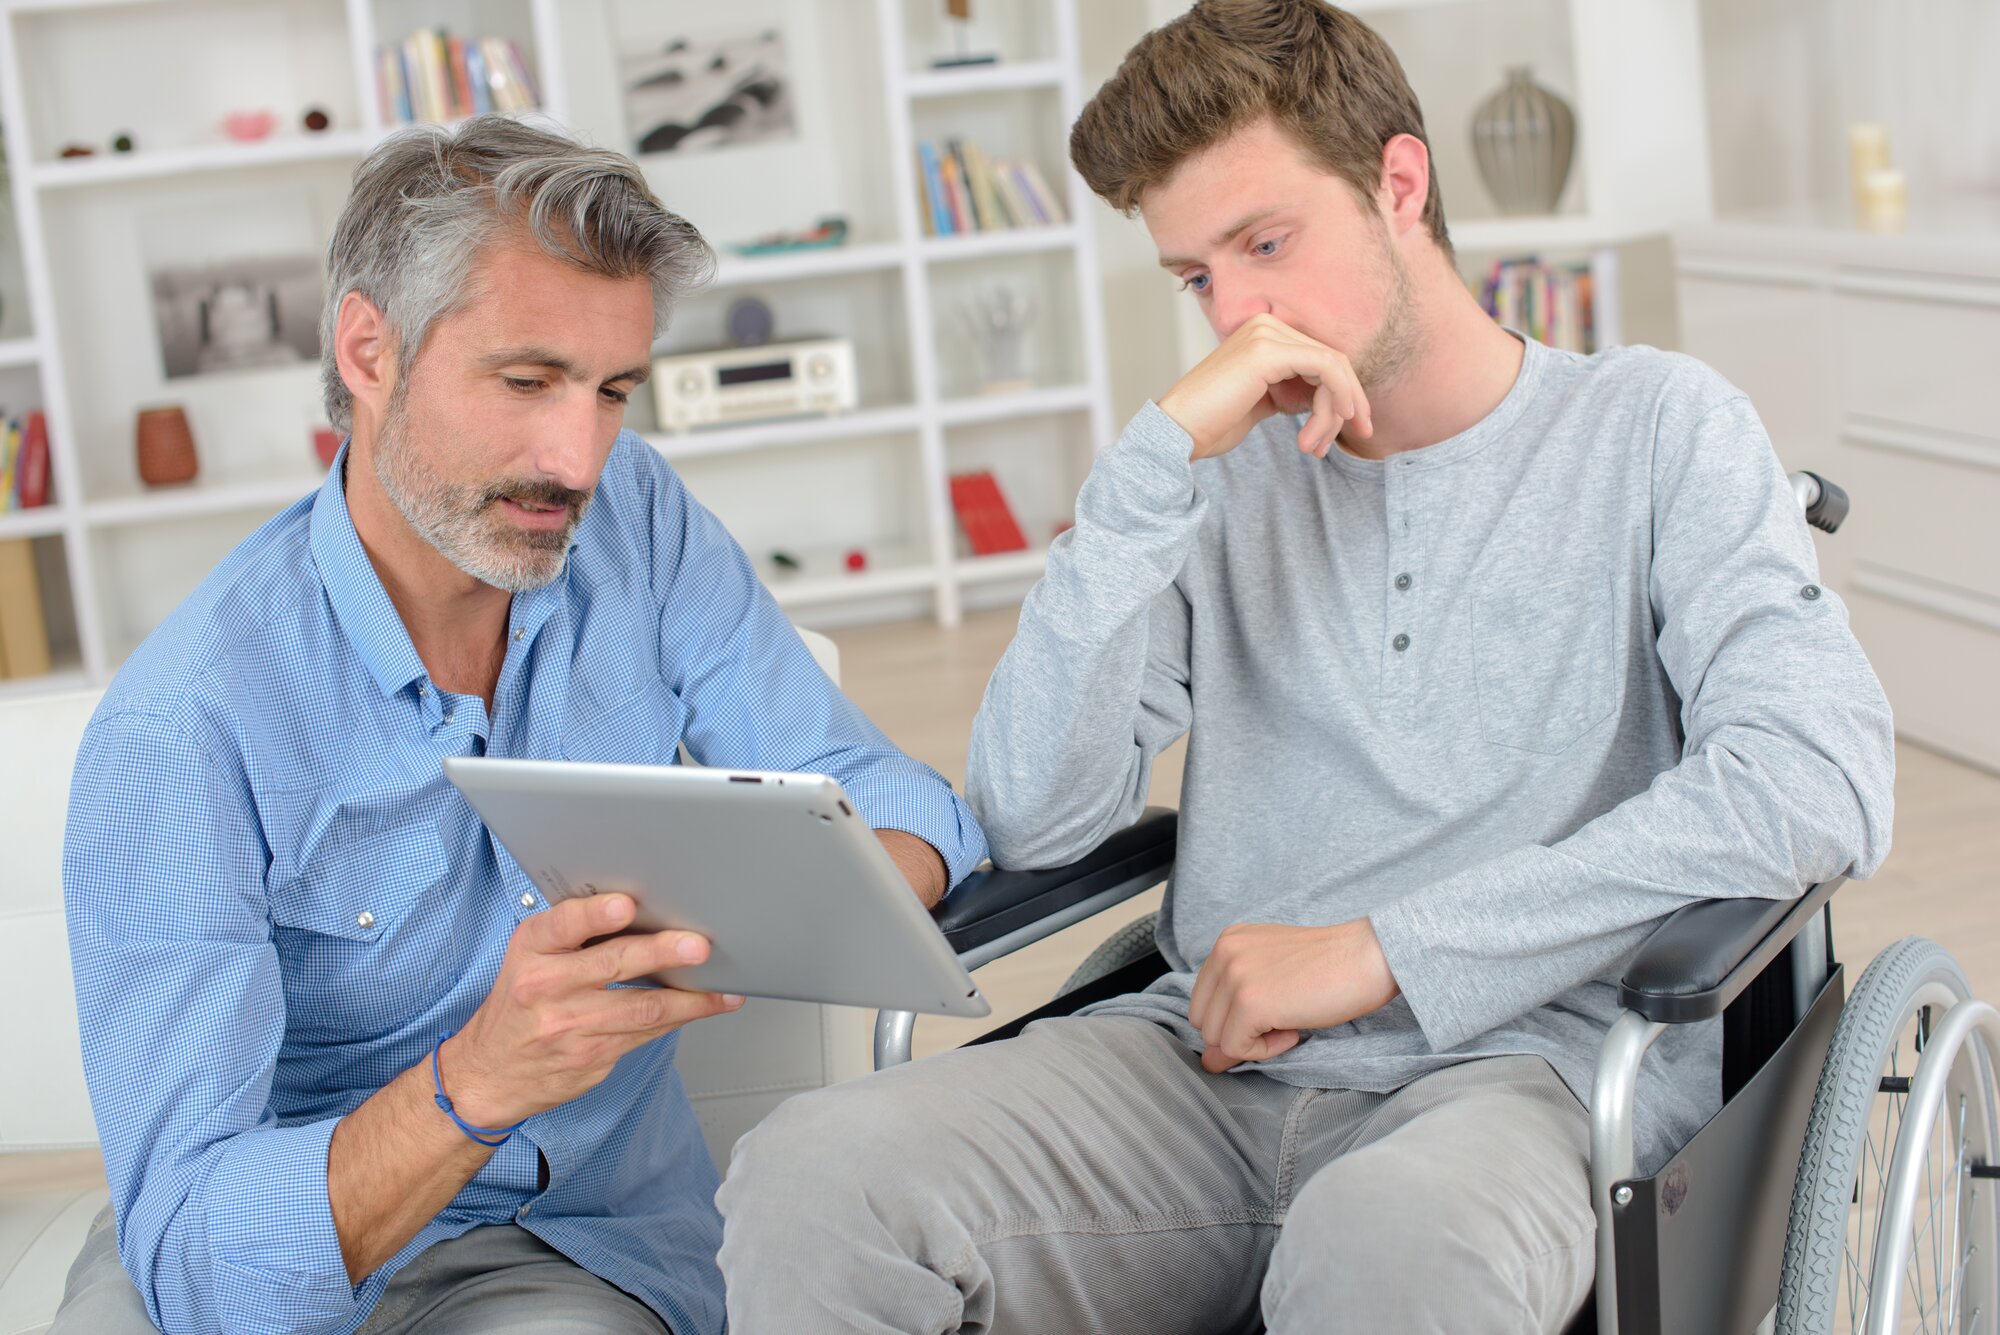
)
(126, 554)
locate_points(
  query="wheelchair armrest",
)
(1698, 960)
(996, 911)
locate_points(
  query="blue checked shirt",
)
(277, 903)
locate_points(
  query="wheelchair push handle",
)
(1824, 502)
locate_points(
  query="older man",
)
(347, 1065)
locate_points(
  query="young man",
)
(1488, 657)
(293, 939)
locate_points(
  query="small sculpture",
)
(247, 126)
(122, 144)
(998, 321)
(316, 120)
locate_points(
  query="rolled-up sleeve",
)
(223, 1216)
(756, 698)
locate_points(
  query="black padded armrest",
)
(1698, 960)
(992, 903)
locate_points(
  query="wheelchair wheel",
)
(1116, 951)
(1952, 1282)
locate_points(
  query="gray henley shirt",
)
(1514, 696)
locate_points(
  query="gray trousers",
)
(1089, 1178)
(502, 1279)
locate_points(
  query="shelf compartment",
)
(19, 352)
(784, 433)
(965, 80)
(111, 169)
(739, 270)
(197, 499)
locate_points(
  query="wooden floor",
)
(922, 685)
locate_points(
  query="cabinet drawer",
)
(1937, 670)
(1923, 505)
(1921, 351)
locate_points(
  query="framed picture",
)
(234, 288)
(686, 92)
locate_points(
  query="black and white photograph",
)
(233, 289)
(688, 93)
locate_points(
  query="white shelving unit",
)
(116, 556)
(877, 479)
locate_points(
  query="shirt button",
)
(525, 1210)
(1400, 643)
(1810, 592)
(1403, 581)
(519, 631)
(364, 919)
(527, 900)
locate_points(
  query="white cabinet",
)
(1872, 360)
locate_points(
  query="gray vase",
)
(1522, 139)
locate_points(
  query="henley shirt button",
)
(1403, 581)
(527, 900)
(1400, 643)
(1810, 592)
(364, 919)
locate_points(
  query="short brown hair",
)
(1325, 77)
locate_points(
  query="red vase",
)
(166, 447)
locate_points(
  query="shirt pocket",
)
(1543, 659)
(640, 728)
(352, 933)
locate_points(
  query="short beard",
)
(459, 521)
(1399, 338)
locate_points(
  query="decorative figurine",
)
(958, 19)
(77, 151)
(998, 322)
(247, 126)
(749, 322)
(856, 561)
(166, 446)
(316, 119)
(122, 144)
(784, 561)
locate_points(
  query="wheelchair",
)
(1843, 1185)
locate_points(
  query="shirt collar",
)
(360, 604)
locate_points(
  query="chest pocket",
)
(1543, 659)
(350, 932)
(642, 728)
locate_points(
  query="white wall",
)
(1786, 78)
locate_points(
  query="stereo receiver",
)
(728, 385)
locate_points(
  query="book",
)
(954, 193)
(31, 469)
(524, 77)
(985, 197)
(1010, 195)
(989, 524)
(1046, 200)
(477, 76)
(1019, 176)
(10, 449)
(461, 78)
(937, 206)
(24, 636)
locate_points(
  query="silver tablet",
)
(797, 897)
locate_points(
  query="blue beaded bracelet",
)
(478, 1133)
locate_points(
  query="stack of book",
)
(1550, 303)
(24, 461)
(962, 190)
(433, 76)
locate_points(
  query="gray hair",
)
(428, 199)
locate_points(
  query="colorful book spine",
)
(524, 77)
(31, 468)
(461, 78)
(955, 196)
(477, 76)
(1046, 200)
(983, 512)
(985, 196)
(1010, 195)
(938, 204)
(10, 454)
